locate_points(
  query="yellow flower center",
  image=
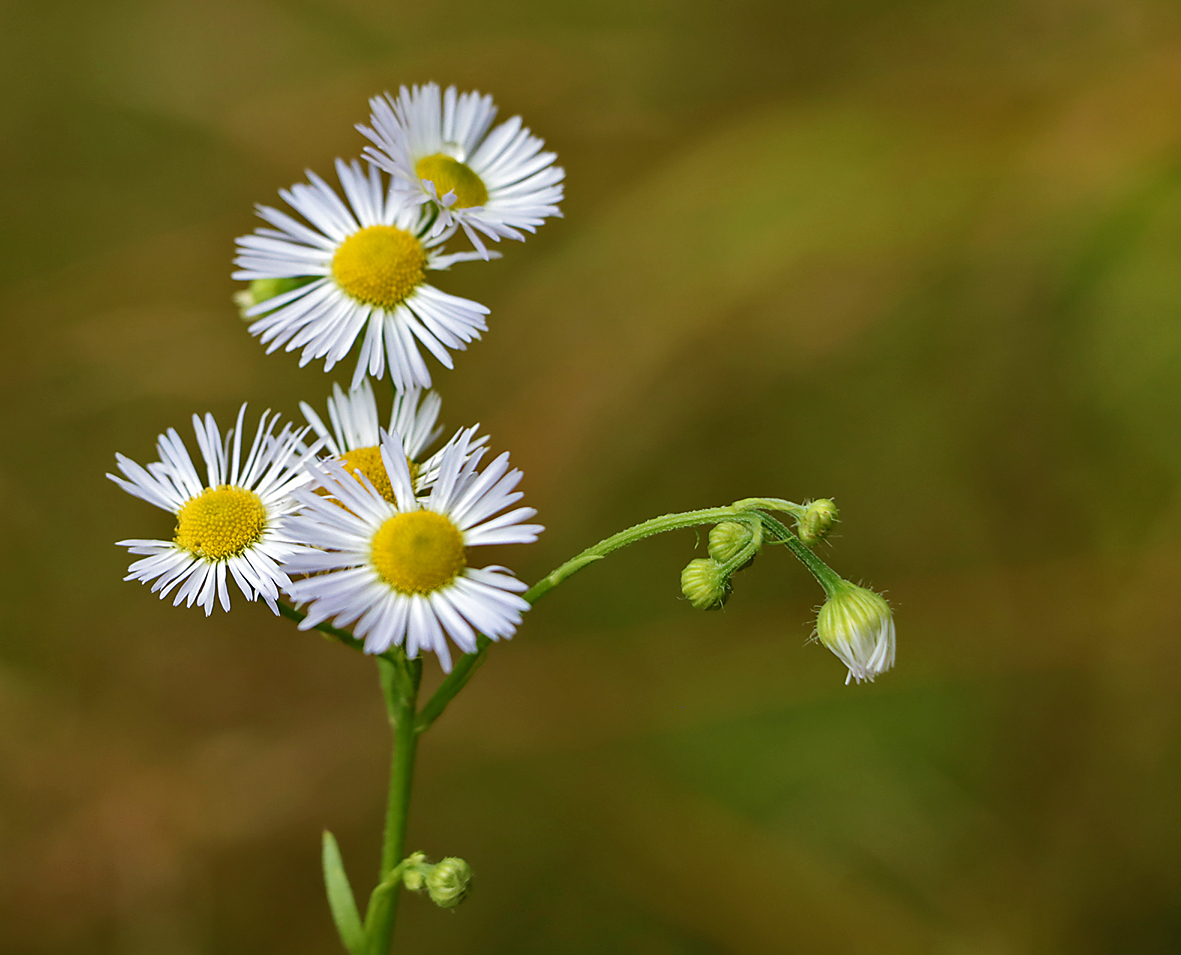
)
(368, 461)
(418, 552)
(220, 522)
(450, 175)
(380, 265)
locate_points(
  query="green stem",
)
(650, 528)
(342, 635)
(465, 668)
(400, 680)
(828, 578)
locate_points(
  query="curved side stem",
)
(828, 578)
(749, 509)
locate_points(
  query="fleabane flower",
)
(355, 436)
(232, 523)
(363, 269)
(856, 624)
(438, 146)
(397, 572)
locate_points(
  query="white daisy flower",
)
(365, 266)
(355, 435)
(232, 524)
(438, 146)
(856, 624)
(398, 572)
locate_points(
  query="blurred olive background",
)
(921, 256)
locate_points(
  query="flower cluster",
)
(354, 519)
(368, 522)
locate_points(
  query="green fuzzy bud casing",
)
(818, 519)
(704, 584)
(726, 540)
(448, 882)
(260, 290)
(412, 872)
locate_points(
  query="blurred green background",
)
(920, 256)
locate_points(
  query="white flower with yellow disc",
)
(364, 268)
(438, 146)
(397, 572)
(355, 434)
(232, 523)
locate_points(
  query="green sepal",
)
(340, 898)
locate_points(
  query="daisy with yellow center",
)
(360, 270)
(438, 146)
(397, 572)
(355, 434)
(229, 524)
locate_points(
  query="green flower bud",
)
(817, 520)
(726, 540)
(703, 582)
(447, 882)
(856, 624)
(260, 290)
(414, 871)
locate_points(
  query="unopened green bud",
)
(260, 290)
(816, 521)
(704, 583)
(726, 540)
(447, 882)
(856, 624)
(414, 871)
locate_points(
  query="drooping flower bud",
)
(447, 882)
(726, 540)
(856, 624)
(705, 584)
(817, 519)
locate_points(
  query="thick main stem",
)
(399, 685)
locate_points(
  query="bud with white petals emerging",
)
(705, 584)
(856, 624)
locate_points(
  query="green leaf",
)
(340, 898)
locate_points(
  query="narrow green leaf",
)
(340, 898)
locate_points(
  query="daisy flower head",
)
(397, 572)
(355, 436)
(438, 146)
(356, 270)
(229, 524)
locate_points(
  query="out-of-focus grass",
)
(922, 257)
